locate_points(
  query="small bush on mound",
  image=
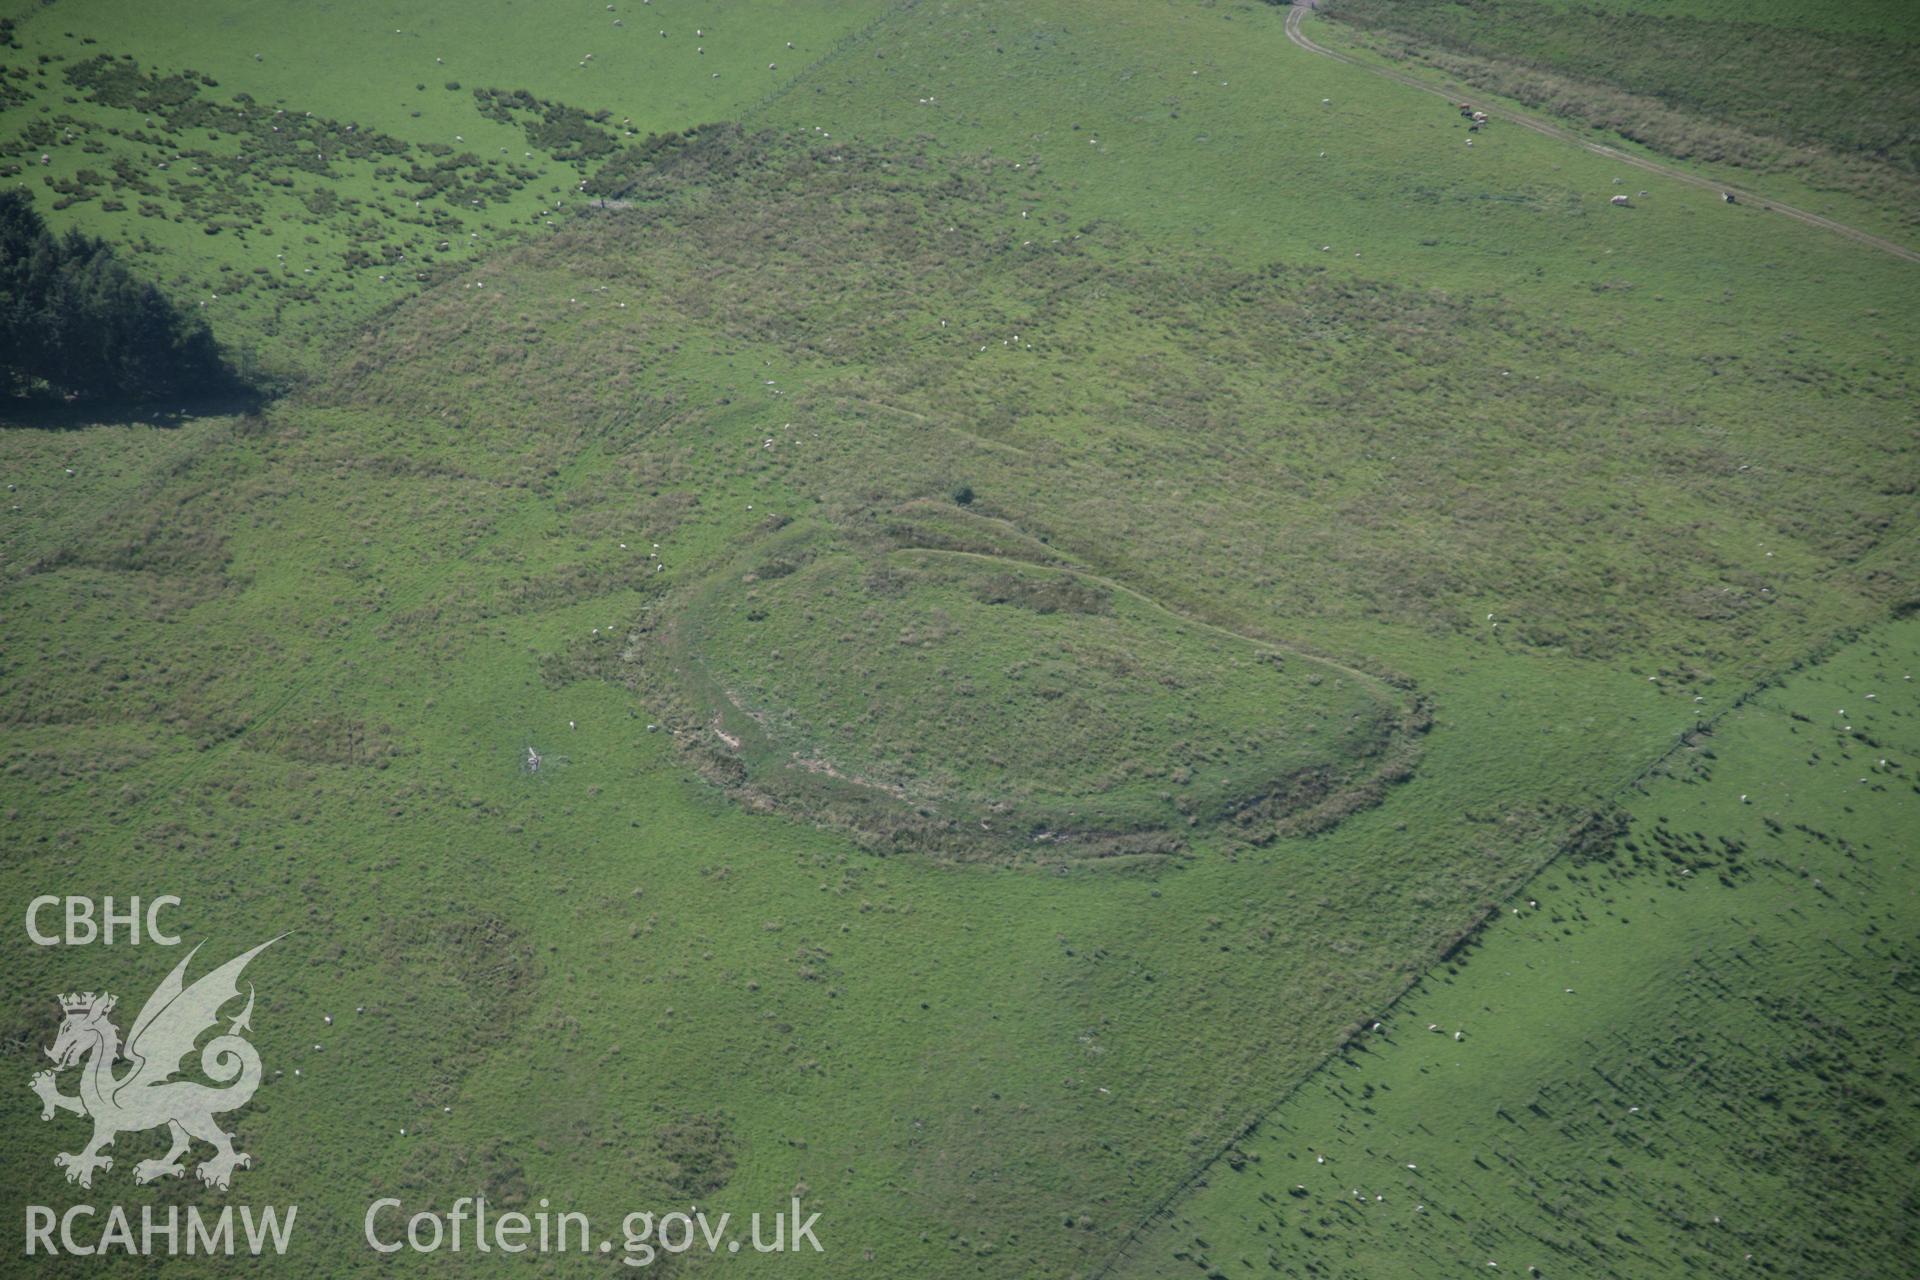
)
(74, 319)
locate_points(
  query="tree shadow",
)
(57, 413)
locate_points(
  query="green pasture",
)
(1025, 368)
(293, 170)
(1812, 105)
(1687, 1055)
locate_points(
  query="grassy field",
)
(1819, 95)
(1024, 415)
(1885, 18)
(1685, 1054)
(294, 195)
(1768, 68)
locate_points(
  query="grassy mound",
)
(982, 706)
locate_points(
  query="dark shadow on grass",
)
(58, 413)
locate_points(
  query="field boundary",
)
(841, 46)
(1825, 647)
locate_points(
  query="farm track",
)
(1296, 16)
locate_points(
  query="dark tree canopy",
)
(75, 320)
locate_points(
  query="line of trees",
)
(75, 321)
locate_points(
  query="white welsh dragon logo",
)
(148, 1094)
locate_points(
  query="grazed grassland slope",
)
(290, 171)
(1419, 471)
(1684, 1053)
(1827, 94)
